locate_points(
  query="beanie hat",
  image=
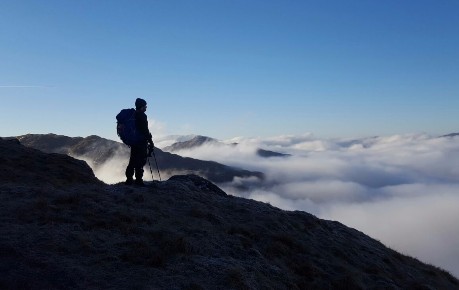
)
(139, 103)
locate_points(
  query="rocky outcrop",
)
(183, 233)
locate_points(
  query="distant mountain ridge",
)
(451, 135)
(100, 150)
(199, 141)
(196, 141)
(61, 228)
(268, 153)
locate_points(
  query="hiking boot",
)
(129, 181)
(139, 182)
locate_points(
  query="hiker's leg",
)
(130, 167)
(140, 152)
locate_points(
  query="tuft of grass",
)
(338, 253)
(347, 282)
(387, 261)
(196, 212)
(144, 254)
(41, 204)
(303, 267)
(235, 230)
(138, 197)
(274, 249)
(85, 243)
(156, 251)
(288, 241)
(177, 246)
(372, 270)
(281, 245)
(200, 214)
(193, 286)
(69, 199)
(235, 278)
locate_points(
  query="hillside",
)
(100, 150)
(70, 231)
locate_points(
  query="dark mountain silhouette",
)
(267, 153)
(198, 141)
(451, 135)
(100, 150)
(70, 231)
(193, 143)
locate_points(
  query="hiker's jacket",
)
(141, 123)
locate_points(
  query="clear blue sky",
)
(231, 68)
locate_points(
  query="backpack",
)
(126, 129)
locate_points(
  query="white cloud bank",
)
(402, 190)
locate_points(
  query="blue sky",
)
(231, 68)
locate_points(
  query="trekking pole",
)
(157, 168)
(150, 169)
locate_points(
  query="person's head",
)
(140, 104)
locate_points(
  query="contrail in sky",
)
(23, 87)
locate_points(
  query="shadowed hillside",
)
(70, 231)
(100, 150)
(27, 166)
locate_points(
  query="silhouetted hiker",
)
(138, 156)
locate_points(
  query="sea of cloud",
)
(402, 190)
